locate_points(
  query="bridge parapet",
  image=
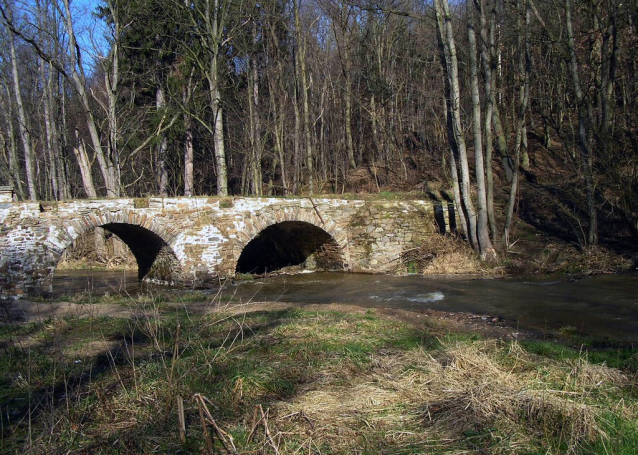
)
(192, 241)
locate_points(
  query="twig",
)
(267, 431)
(225, 438)
(300, 414)
(316, 210)
(182, 419)
(256, 421)
(209, 441)
(175, 355)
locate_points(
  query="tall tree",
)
(303, 88)
(455, 127)
(482, 229)
(23, 127)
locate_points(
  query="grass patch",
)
(298, 381)
(600, 352)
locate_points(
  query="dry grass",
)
(530, 253)
(494, 391)
(557, 257)
(292, 381)
(488, 384)
(442, 255)
(454, 263)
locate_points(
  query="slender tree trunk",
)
(488, 121)
(64, 134)
(23, 128)
(451, 70)
(522, 79)
(112, 81)
(346, 68)
(52, 88)
(162, 147)
(214, 31)
(188, 157)
(583, 130)
(278, 128)
(50, 138)
(255, 124)
(189, 154)
(85, 167)
(14, 167)
(454, 171)
(50, 142)
(495, 65)
(482, 230)
(348, 120)
(220, 150)
(278, 97)
(107, 164)
(303, 88)
(297, 138)
(609, 52)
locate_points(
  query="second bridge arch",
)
(290, 243)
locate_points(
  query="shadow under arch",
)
(155, 258)
(290, 243)
(148, 240)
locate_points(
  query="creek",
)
(601, 306)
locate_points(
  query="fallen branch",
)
(207, 418)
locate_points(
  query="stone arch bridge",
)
(192, 241)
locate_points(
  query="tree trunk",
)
(277, 109)
(482, 230)
(522, 78)
(297, 141)
(112, 80)
(494, 59)
(278, 97)
(303, 87)
(109, 165)
(85, 167)
(255, 124)
(583, 130)
(50, 143)
(488, 77)
(451, 70)
(162, 147)
(14, 167)
(188, 146)
(214, 25)
(25, 134)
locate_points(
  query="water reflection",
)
(605, 305)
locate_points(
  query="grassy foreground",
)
(296, 381)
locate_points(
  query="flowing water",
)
(604, 305)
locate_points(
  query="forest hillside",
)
(522, 111)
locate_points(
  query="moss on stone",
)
(140, 203)
(226, 203)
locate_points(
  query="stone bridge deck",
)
(192, 241)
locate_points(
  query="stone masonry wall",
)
(202, 237)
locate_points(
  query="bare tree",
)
(455, 128)
(302, 87)
(23, 127)
(482, 229)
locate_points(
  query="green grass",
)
(329, 382)
(615, 355)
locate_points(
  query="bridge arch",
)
(290, 237)
(148, 240)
